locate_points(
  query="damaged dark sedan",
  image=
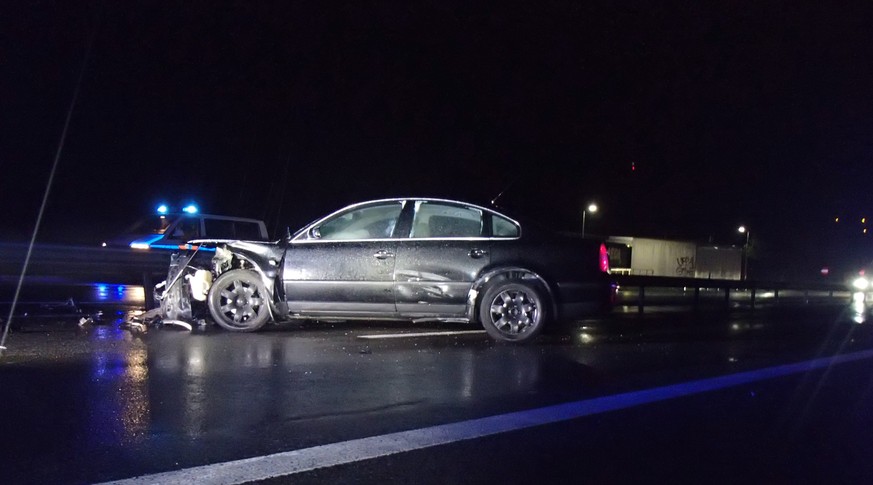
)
(417, 259)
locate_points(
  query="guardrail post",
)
(696, 297)
(727, 296)
(776, 296)
(641, 299)
(752, 299)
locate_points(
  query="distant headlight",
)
(861, 283)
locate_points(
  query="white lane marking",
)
(345, 452)
(420, 334)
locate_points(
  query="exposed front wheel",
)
(513, 311)
(238, 301)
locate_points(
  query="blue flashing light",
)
(163, 209)
(190, 209)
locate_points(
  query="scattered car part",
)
(178, 323)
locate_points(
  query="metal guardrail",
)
(725, 286)
(117, 264)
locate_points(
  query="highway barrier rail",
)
(121, 265)
(642, 291)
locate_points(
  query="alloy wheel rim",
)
(241, 302)
(514, 312)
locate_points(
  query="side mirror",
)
(315, 233)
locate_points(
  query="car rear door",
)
(344, 266)
(437, 264)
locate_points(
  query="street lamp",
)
(747, 232)
(592, 208)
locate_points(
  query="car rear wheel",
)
(238, 301)
(513, 310)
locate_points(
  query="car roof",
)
(174, 215)
(426, 199)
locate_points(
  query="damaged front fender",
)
(263, 258)
(189, 280)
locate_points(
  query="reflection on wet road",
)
(119, 391)
(104, 403)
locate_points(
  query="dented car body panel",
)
(415, 259)
(434, 277)
(339, 277)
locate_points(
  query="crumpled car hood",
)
(257, 247)
(257, 251)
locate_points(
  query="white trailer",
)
(683, 259)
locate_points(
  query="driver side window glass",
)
(373, 222)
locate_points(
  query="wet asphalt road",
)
(102, 403)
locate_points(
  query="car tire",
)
(238, 301)
(513, 310)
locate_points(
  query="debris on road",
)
(153, 318)
(27, 313)
(139, 322)
(179, 323)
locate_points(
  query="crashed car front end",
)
(185, 294)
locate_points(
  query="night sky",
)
(756, 113)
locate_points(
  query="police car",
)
(172, 230)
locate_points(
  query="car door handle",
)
(477, 253)
(383, 254)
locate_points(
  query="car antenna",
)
(510, 184)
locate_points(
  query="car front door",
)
(344, 265)
(437, 264)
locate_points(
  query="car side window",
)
(438, 220)
(230, 229)
(219, 229)
(503, 227)
(187, 229)
(372, 222)
(250, 231)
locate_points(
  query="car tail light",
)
(604, 259)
